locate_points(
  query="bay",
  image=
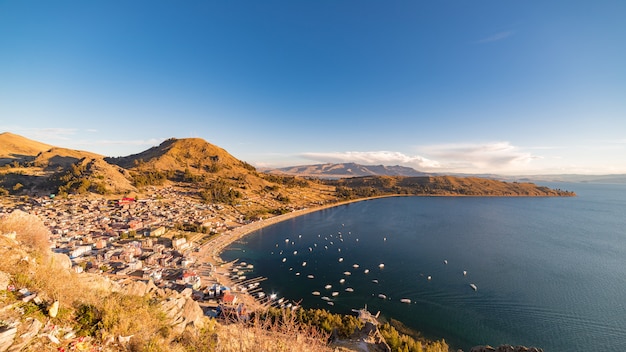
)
(550, 272)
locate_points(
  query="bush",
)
(28, 229)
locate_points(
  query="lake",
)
(549, 272)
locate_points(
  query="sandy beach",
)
(209, 253)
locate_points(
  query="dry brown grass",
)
(29, 230)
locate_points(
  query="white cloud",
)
(487, 157)
(495, 157)
(372, 158)
(47, 134)
(495, 37)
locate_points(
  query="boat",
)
(295, 252)
(366, 271)
(325, 298)
(405, 300)
(464, 273)
(335, 293)
(331, 303)
(303, 263)
(445, 261)
(474, 287)
(297, 274)
(328, 287)
(347, 273)
(382, 296)
(381, 265)
(340, 260)
(429, 277)
(375, 281)
(310, 276)
(315, 293)
(284, 260)
(342, 281)
(349, 289)
(355, 265)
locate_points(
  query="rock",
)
(61, 260)
(136, 288)
(5, 280)
(31, 329)
(7, 336)
(187, 292)
(54, 309)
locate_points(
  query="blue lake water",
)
(550, 272)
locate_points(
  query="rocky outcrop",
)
(505, 348)
(7, 336)
(182, 312)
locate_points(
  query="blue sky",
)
(510, 87)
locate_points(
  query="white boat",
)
(355, 265)
(310, 276)
(382, 296)
(405, 300)
(328, 287)
(445, 261)
(464, 273)
(286, 240)
(303, 263)
(381, 265)
(335, 294)
(261, 294)
(331, 303)
(284, 260)
(429, 277)
(315, 293)
(340, 260)
(349, 289)
(325, 298)
(347, 273)
(474, 287)
(297, 274)
(366, 271)
(375, 281)
(295, 252)
(342, 281)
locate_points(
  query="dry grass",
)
(29, 230)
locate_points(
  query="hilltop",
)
(202, 171)
(17, 148)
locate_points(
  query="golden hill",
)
(15, 147)
(178, 154)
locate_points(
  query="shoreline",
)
(210, 252)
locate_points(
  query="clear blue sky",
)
(517, 87)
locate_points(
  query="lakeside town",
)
(166, 239)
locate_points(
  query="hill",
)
(17, 148)
(197, 170)
(370, 186)
(343, 170)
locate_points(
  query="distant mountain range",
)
(345, 170)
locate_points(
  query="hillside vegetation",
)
(371, 186)
(200, 170)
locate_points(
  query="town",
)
(157, 240)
